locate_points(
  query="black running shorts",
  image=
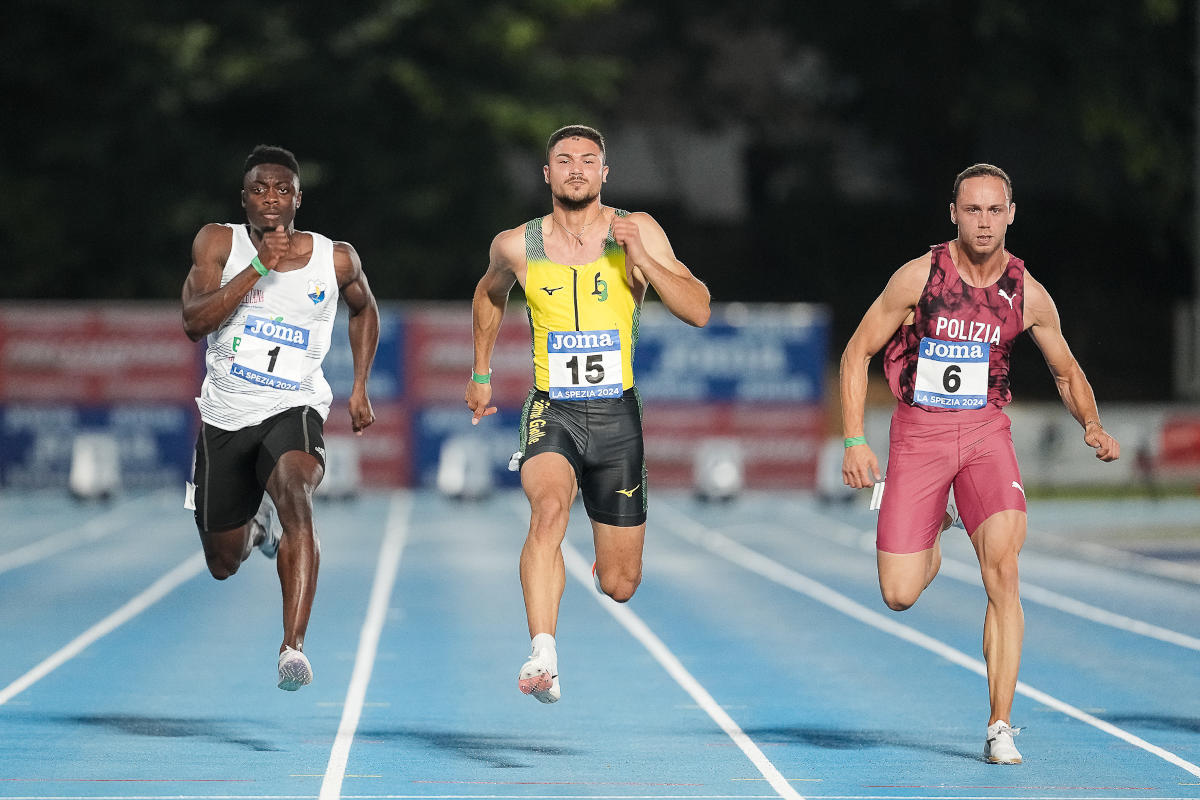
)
(232, 467)
(602, 439)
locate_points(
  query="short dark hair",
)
(978, 171)
(582, 131)
(270, 154)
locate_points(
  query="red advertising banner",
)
(1179, 443)
(779, 443)
(96, 354)
(439, 353)
(384, 452)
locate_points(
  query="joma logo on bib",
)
(562, 342)
(947, 351)
(272, 331)
(967, 330)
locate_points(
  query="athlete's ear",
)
(243, 198)
(604, 175)
(299, 197)
(546, 173)
(953, 215)
(1012, 212)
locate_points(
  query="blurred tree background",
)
(420, 125)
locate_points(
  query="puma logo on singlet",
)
(1017, 486)
(1006, 296)
(629, 492)
(550, 291)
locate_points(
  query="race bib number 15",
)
(952, 375)
(584, 364)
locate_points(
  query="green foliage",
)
(131, 120)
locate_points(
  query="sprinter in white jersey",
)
(265, 295)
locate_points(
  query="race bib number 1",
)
(270, 354)
(952, 375)
(584, 365)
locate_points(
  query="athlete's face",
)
(982, 212)
(271, 196)
(576, 172)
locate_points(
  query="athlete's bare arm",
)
(893, 308)
(206, 303)
(650, 261)
(506, 266)
(364, 329)
(1042, 322)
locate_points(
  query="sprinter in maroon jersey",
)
(948, 320)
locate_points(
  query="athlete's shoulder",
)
(213, 243)
(509, 245)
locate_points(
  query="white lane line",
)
(586, 797)
(837, 531)
(186, 570)
(394, 538)
(582, 572)
(1115, 558)
(95, 528)
(692, 531)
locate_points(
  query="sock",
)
(543, 642)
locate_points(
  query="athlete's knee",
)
(621, 586)
(548, 519)
(1001, 576)
(900, 598)
(221, 565)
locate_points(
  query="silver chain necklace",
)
(578, 237)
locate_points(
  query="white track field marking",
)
(582, 572)
(95, 528)
(192, 566)
(718, 544)
(394, 537)
(848, 535)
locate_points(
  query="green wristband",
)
(475, 376)
(258, 266)
(851, 441)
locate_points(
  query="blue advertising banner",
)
(155, 443)
(766, 353)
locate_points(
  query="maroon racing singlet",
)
(955, 354)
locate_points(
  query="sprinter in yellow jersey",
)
(585, 269)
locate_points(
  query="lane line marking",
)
(848, 535)
(189, 568)
(582, 572)
(94, 529)
(587, 797)
(390, 551)
(690, 530)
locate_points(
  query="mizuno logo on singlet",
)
(1006, 296)
(550, 291)
(629, 492)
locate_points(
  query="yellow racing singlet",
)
(584, 321)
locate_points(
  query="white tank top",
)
(266, 357)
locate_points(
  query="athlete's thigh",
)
(619, 546)
(998, 541)
(549, 481)
(613, 481)
(990, 479)
(922, 460)
(228, 492)
(297, 430)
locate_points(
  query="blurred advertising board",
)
(155, 443)
(96, 353)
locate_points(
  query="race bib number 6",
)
(952, 375)
(584, 365)
(270, 354)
